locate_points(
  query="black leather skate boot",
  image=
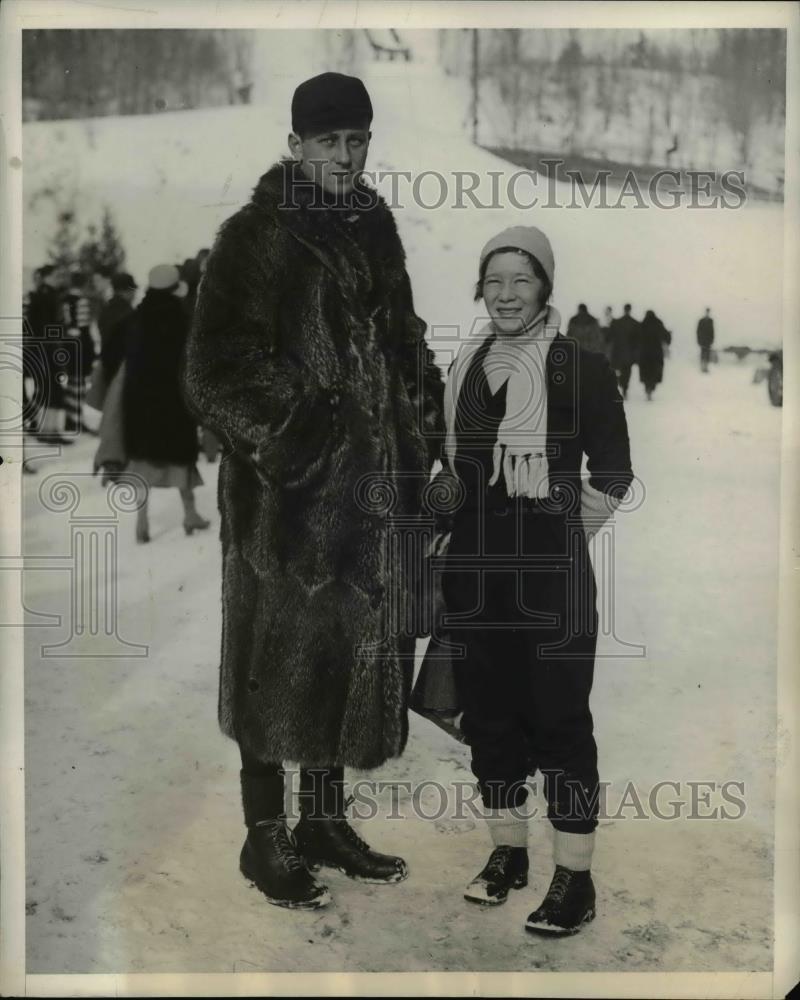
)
(325, 838)
(568, 905)
(269, 857)
(506, 869)
(270, 860)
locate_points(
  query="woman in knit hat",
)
(523, 405)
(160, 433)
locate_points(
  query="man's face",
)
(332, 159)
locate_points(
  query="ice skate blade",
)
(550, 930)
(364, 879)
(317, 903)
(486, 900)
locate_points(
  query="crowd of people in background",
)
(626, 342)
(59, 349)
(89, 344)
(84, 331)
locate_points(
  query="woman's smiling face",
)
(512, 291)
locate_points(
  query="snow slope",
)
(133, 815)
(171, 179)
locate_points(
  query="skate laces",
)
(285, 847)
(559, 885)
(348, 831)
(495, 867)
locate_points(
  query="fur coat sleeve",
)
(421, 374)
(236, 380)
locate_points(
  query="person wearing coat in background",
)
(523, 405)
(308, 361)
(28, 354)
(653, 338)
(41, 358)
(112, 317)
(77, 318)
(608, 319)
(118, 308)
(584, 328)
(705, 339)
(624, 347)
(160, 433)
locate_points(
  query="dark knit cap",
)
(123, 282)
(330, 101)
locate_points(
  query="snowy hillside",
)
(171, 179)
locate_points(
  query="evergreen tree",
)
(63, 253)
(103, 250)
(89, 252)
(111, 250)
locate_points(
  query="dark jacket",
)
(491, 532)
(307, 360)
(115, 324)
(43, 358)
(158, 425)
(77, 318)
(623, 341)
(584, 328)
(705, 332)
(652, 338)
(42, 310)
(113, 312)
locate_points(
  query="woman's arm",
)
(604, 431)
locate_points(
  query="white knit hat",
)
(163, 276)
(527, 238)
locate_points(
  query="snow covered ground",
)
(133, 807)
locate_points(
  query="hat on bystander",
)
(163, 277)
(123, 282)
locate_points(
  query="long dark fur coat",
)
(307, 359)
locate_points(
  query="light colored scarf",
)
(519, 362)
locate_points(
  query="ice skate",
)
(271, 861)
(568, 905)
(330, 841)
(506, 869)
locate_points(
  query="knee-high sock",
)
(507, 827)
(573, 850)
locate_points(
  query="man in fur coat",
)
(307, 360)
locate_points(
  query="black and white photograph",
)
(401, 550)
